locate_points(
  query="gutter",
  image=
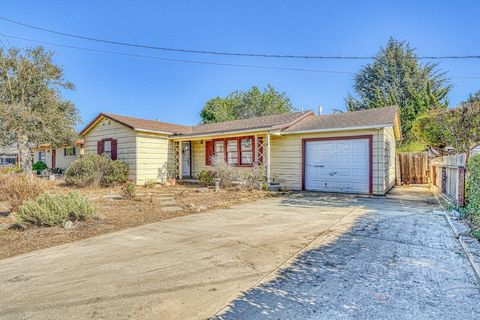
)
(199, 136)
(378, 126)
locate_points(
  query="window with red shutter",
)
(114, 149)
(208, 152)
(100, 147)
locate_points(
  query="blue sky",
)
(176, 92)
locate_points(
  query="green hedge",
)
(473, 188)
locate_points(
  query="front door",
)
(186, 159)
(54, 158)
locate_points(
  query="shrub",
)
(150, 183)
(254, 178)
(129, 191)
(226, 173)
(18, 188)
(39, 166)
(88, 170)
(473, 189)
(93, 169)
(206, 177)
(49, 210)
(115, 173)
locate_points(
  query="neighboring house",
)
(8, 157)
(351, 152)
(58, 158)
(476, 150)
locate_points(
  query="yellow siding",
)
(286, 157)
(152, 157)
(126, 142)
(390, 146)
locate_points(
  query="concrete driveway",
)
(341, 256)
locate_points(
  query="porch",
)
(194, 154)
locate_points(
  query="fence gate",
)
(412, 167)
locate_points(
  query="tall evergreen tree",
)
(396, 77)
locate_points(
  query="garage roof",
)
(377, 117)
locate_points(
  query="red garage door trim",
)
(370, 154)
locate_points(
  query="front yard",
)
(114, 212)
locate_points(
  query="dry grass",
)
(15, 189)
(114, 213)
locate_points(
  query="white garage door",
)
(337, 166)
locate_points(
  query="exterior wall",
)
(48, 157)
(389, 156)
(126, 142)
(62, 162)
(152, 156)
(286, 157)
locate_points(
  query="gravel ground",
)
(115, 213)
(400, 261)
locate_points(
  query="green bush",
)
(10, 170)
(49, 210)
(206, 177)
(94, 169)
(473, 189)
(115, 173)
(39, 166)
(129, 191)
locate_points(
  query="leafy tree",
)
(243, 105)
(473, 97)
(458, 128)
(396, 77)
(32, 110)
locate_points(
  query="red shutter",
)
(100, 147)
(114, 149)
(208, 152)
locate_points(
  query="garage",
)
(338, 164)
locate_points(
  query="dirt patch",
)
(116, 213)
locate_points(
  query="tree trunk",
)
(24, 154)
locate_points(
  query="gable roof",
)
(381, 117)
(278, 121)
(288, 123)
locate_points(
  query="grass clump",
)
(15, 189)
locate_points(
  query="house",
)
(60, 157)
(8, 157)
(351, 152)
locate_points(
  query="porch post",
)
(180, 160)
(268, 157)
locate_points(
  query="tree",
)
(458, 128)
(244, 105)
(32, 110)
(396, 77)
(473, 97)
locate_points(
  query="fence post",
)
(398, 171)
(444, 180)
(461, 187)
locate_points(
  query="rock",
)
(201, 190)
(68, 225)
(171, 209)
(190, 206)
(113, 197)
(3, 226)
(201, 208)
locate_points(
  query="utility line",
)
(181, 60)
(222, 53)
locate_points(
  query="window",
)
(246, 151)
(70, 151)
(232, 152)
(235, 151)
(107, 148)
(41, 156)
(219, 148)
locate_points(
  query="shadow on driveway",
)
(399, 261)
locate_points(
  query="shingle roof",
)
(268, 122)
(369, 117)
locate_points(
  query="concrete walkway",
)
(183, 268)
(359, 258)
(398, 261)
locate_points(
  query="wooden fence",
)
(412, 168)
(447, 176)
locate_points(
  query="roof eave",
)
(376, 126)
